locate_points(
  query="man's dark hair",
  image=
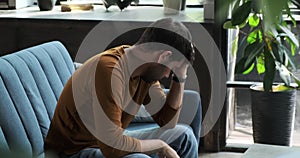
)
(168, 34)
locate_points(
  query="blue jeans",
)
(181, 139)
(96, 153)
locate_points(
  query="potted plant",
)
(268, 48)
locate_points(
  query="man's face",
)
(156, 71)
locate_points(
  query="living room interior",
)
(226, 110)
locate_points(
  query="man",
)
(103, 95)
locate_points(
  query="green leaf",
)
(234, 47)
(242, 25)
(293, 47)
(273, 10)
(290, 35)
(283, 52)
(277, 51)
(240, 67)
(284, 73)
(286, 54)
(288, 10)
(274, 31)
(296, 79)
(253, 20)
(280, 88)
(228, 25)
(260, 65)
(247, 71)
(252, 51)
(296, 3)
(252, 37)
(270, 70)
(243, 43)
(241, 14)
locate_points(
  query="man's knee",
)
(190, 136)
(186, 131)
(186, 138)
(186, 144)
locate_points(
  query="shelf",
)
(131, 13)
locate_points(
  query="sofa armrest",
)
(191, 112)
(77, 65)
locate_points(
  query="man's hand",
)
(167, 152)
(180, 70)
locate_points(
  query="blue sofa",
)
(31, 82)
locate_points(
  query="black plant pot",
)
(46, 5)
(273, 115)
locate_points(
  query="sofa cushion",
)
(31, 81)
(3, 144)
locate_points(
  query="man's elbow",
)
(166, 124)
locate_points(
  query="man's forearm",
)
(174, 100)
(151, 146)
(168, 115)
(175, 95)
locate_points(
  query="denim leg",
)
(196, 123)
(96, 153)
(186, 145)
(181, 139)
(137, 155)
(85, 153)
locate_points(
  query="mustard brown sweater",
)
(98, 103)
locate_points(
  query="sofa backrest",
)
(31, 82)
